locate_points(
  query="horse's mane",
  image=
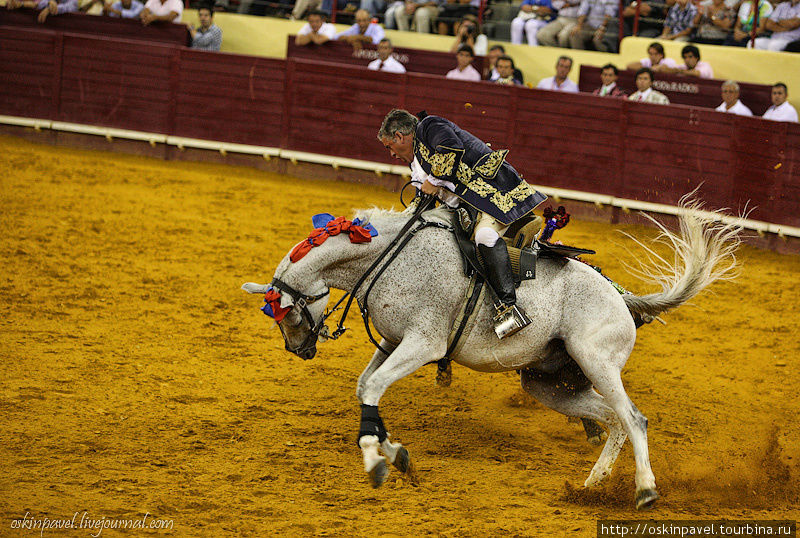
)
(377, 213)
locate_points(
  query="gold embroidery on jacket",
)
(442, 164)
(490, 164)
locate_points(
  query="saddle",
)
(524, 249)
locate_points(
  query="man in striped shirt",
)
(208, 36)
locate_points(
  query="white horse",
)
(581, 331)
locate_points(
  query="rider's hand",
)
(429, 188)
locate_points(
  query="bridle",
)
(302, 301)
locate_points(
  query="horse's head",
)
(299, 314)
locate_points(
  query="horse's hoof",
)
(595, 440)
(378, 474)
(645, 499)
(444, 377)
(401, 460)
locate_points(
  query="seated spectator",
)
(490, 71)
(560, 82)
(609, 75)
(680, 21)
(302, 8)
(453, 11)
(784, 23)
(464, 69)
(780, 110)
(124, 9)
(533, 15)
(162, 11)
(505, 71)
(45, 7)
(593, 17)
(730, 100)
(315, 31)
(363, 31)
(714, 20)
(645, 92)
(651, 17)
(692, 65)
(744, 23)
(373, 7)
(400, 14)
(385, 61)
(556, 33)
(469, 33)
(655, 59)
(208, 36)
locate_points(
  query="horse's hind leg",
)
(601, 356)
(585, 404)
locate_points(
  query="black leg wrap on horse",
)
(498, 271)
(371, 423)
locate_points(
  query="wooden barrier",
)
(96, 25)
(683, 90)
(630, 150)
(414, 60)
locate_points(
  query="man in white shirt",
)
(363, 31)
(730, 100)
(316, 30)
(560, 82)
(464, 69)
(655, 59)
(162, 10)
(645, 92)
(780, 110)
(385, 61)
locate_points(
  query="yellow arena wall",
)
(266, 36)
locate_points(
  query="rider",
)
(459, 168)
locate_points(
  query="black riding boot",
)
(510, 318)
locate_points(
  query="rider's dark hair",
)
(398, 121)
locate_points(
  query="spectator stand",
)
(693, 91)
(414, 60)
(167, 33)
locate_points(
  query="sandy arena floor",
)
(138, 378)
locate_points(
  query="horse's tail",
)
(703, 252)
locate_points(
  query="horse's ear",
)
(286, 300)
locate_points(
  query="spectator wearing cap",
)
(364, 31)
(609, 75)
(505, 71)
(162, 11)
(730, 100)
(655, 60)
(315, 31)
(464, 69)
(124, 9)
(645, 92)
(385, 61)
(208, 36)
(784, 23)
(780, 110)
(46, 7)
(560, 82)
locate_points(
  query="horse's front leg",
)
(377, 359)
(372, 435)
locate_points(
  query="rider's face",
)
(401, 146)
